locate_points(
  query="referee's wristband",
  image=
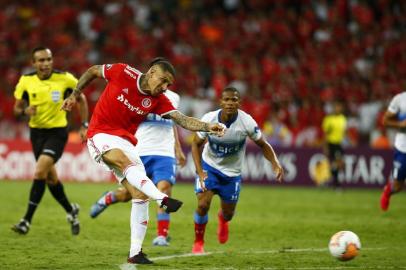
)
(85, 124)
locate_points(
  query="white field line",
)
(127, 266)
(270, 251)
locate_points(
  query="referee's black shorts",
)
(48, 141)
(335, 151)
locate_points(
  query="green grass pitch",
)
(274, 228)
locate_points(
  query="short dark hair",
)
(36, 49)
(231, 89)
(164, 64)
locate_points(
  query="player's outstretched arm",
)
(270, 155)
(195, 124)
(92, 73)
(197, 159)
(390, 120)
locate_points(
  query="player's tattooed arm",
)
(195, 124)
(188, 122)
(92, 73)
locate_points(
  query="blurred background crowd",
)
(290, 59)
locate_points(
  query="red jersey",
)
(123, 105)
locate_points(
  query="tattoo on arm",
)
(189, 123)
(88, 77)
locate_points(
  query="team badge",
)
(146, 102)
(55, 96)
(108, 66)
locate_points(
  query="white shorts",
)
(102, 142)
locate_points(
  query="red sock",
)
(163, 227)
(221, 217)
(388, 189)
(199, 232)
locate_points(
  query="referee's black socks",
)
(59, 194)
(36, 193)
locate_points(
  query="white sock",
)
(139, 224)
(140, 181)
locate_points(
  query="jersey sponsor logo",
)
(125, 90)
(146, 102)
(222, 149)
(129, 106)
(55, 96)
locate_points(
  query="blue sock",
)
(201, 219)
(163, 216)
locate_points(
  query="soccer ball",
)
(344, 245)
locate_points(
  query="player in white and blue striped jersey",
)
(395, 117)
(219, 164)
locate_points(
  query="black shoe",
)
(73, 219)
(140, 258)
(22, 227)
(170, 205)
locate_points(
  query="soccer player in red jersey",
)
(125, 102)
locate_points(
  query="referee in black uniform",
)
(39, 96)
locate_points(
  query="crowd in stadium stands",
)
(290, 59)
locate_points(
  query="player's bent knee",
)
(228, 216)
(51, 181)
(41, 174)
(165, 187)
(117, 159)
(398, 186)
(204, 207)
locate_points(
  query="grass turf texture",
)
(270, 227)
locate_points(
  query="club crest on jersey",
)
(146, 102)
(108, 66)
